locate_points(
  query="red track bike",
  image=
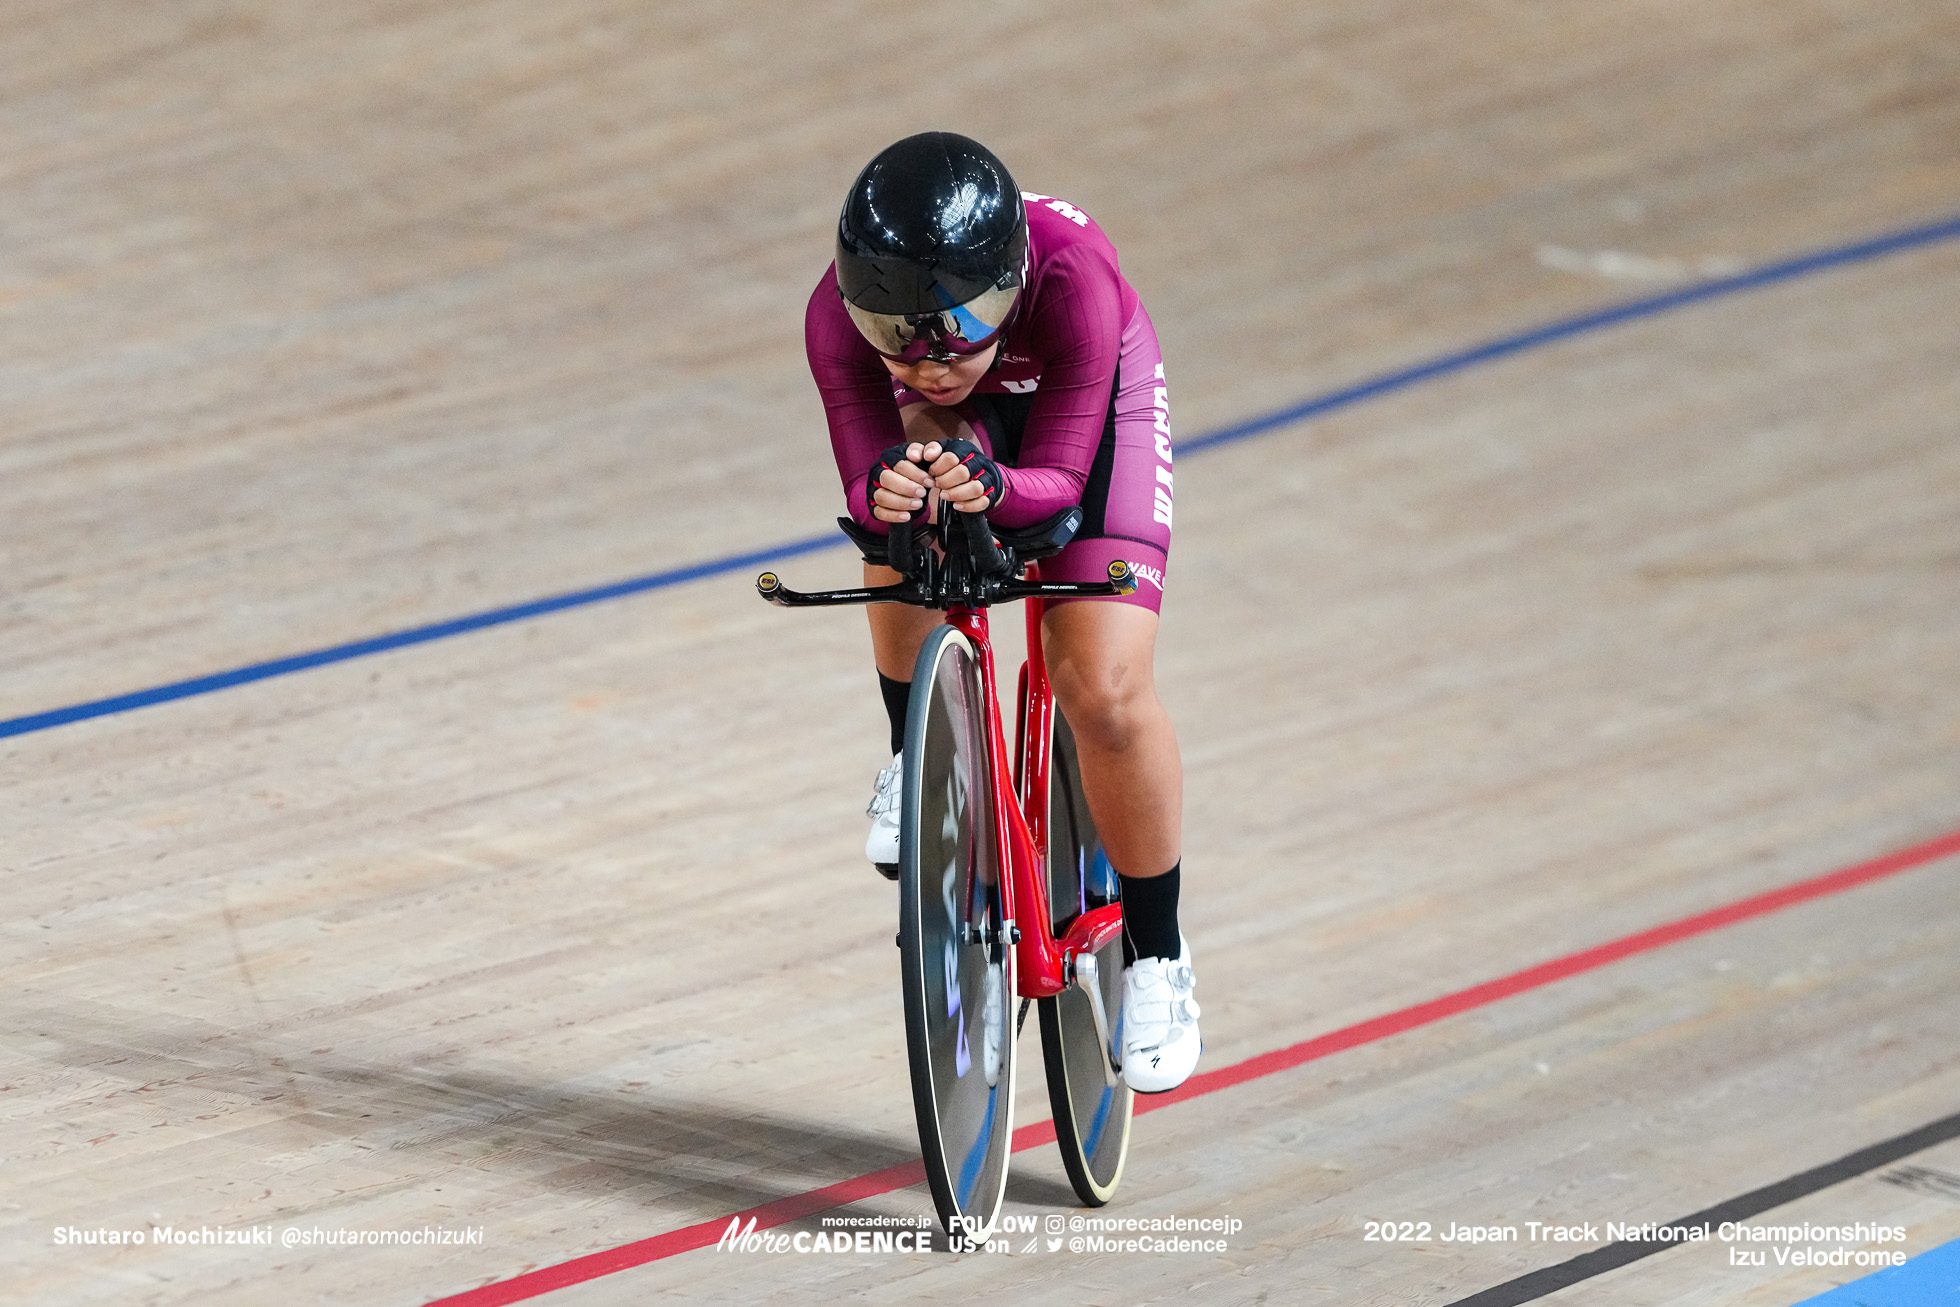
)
(1004, 889)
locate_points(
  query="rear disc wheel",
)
(1090, 1102)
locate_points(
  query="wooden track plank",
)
(335, 324)
(325, 323)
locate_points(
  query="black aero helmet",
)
(931, 248)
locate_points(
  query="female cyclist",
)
(977, 347)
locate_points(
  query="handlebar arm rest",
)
(771, 587)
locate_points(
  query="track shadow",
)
(685, 1155)
(1040, 1191)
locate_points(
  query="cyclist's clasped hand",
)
(958, 470)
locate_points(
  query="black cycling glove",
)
(886, 461)
(978, 466)
(971, 456)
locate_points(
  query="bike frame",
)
(962, 567)
(1044, 965)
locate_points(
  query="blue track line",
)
(340, 653)
(1490, 351)
(1505, 346)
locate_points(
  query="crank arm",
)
(1091, 982)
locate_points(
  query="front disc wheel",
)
(958, 966)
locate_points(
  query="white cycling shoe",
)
(1160, 1022)
(882, 844)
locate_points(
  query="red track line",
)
(794, 1207)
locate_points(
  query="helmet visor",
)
(963, 329)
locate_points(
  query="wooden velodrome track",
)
(324, 322)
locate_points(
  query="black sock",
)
(1150, 915)
(898, 698)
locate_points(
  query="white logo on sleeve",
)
(1062, 207)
